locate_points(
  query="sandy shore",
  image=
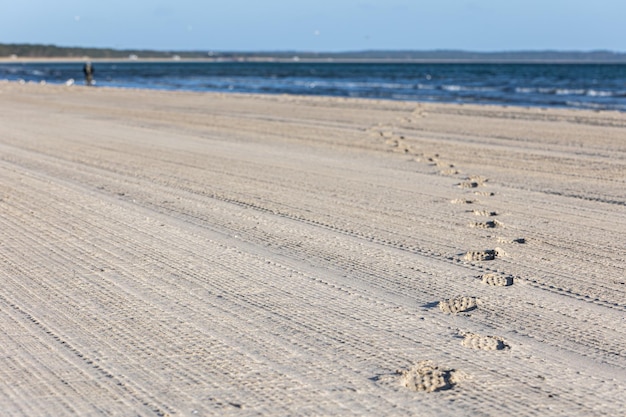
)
(205, 254)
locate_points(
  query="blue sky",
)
(318, 25)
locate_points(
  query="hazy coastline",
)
(28, 52)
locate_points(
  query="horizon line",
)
(345, 51)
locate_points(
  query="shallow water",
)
(591, 86)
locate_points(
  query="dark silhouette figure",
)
(89, 71)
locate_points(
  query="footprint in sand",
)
(491, 224)
(485, 213)
(447, 168)
(433, 160)
(458, 304)
(469, 184)
(497, 280)
(519, 240)
(428, 377)
(381, 130)
(484, 255)
(479, 342)
(398, 144)
(449, 171)
(473, 181)
(462, 201)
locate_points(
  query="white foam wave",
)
(596, 93)
(467, 88)
(570, 92)
(565, 91)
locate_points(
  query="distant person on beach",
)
(88, 70)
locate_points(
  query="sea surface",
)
(588, 86)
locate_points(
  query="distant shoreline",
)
(53, 53)
(61, 60)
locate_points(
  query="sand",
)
(169, 253)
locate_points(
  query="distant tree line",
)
(53, 51)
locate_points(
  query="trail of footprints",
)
(426, 376)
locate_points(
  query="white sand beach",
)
(183, 254)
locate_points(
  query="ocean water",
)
(589, 86)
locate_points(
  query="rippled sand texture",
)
(202, 254)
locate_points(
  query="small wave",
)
(570, 92)
(563, 91)
(595, 93)
(454, 88)
(587, 105)
(366, 85)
